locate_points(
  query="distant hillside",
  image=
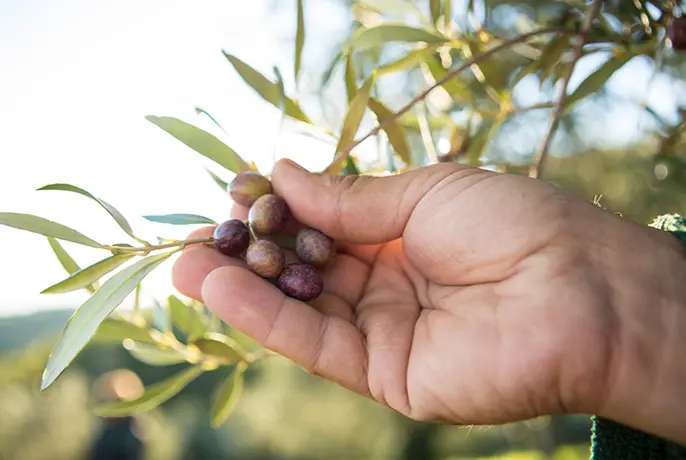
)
(19, 331)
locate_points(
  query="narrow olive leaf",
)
(328, 73)
(180, 219)
(202, 142)
(153, 396)
(435, 7)
(186, 318)
(596, 80)
(200, 110)
(459, 92)
(350, 76)
(45, 227)
(87, 276)
(85, 321)
(265, 88)
(220, 347)
(299, 38)
(356, 111)
(402, 7)
(350, 168)
(407, 62)
(154, 355)
(448, 10)
(227, 395)
(112, 211)
(116, 330)
(480, 140)
(67, 262)
(384, 33)
(395, 132)
(221, 183)
(552, 53)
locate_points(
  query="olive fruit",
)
(269, 214)
(677, 34)
(265, 258)
(314, 247)
(300, 281)
(248, 186)
(232, 237)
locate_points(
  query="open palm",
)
(458, 294)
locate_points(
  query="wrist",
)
(646, 383)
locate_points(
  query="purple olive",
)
(301, 281)
(265, 258)
(232, 237)
(269, 214)
(677, 34)
(314, 247)
(248, 186)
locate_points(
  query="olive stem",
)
(156, 247)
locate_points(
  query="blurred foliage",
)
(386, 80)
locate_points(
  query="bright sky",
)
(76, 80)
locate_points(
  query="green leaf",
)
(328, 73)
(218, 180)
(154, 395)
(552, 53)
(45, 227)
(265, 88)
(299, 38)
(448, 10)
(220, 347)
(85, 321)
(395, 132)
(186, 318)
(478, 143)
(200, 110)
(154, 355)
(435, 7)
(116, 330)
(392, 6)
(227, 395)
(384, 33)
(350, 168)
(596, 80)
(87, 276)
(350, 77)
(202, 142)
(453, 86)
(67, 262)
(355, 114)
(410, 60)
(180, 219)
(112, 211)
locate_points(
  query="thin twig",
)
(542, 152)
(451, 74)
(157, 247)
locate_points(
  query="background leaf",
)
(154, 355)
(186, 318)
(87, 276)
(265, 88)
(202, 142)
(180, 219)
(435, 8)
(67, 262)
(220, 347)
(350, 76)
(395, 132)
(218, 180)
(154, 395)
(410, 60)
(85, 321)
(116, 215)
(596, 80)
(118, 329)
(299, 38)
(384, 33)
(227, 396)
(355, 114)
(45, 227)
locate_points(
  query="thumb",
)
(356, 209)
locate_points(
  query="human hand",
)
(470, 297)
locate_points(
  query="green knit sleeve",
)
(613, 441)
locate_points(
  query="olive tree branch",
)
(343, 154)
(542, 152)
(156, 247)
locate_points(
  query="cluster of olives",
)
(254, 240)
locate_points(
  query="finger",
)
(357, 209)
(331, 305)
(323, 345)
(196, 262)
(346, 278)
